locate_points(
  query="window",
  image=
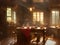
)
(38, 17)
(9, 14)
(36, 1)
(55, 17)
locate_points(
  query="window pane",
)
(53, 18)
(41, 18)
(34, 16)
(9, 19)
(38, 17)
(53, 12)
(14, 17)
(8, 11)
(57, 17)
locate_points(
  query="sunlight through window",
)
(55, 17)
(38, 17)
(9, 14)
